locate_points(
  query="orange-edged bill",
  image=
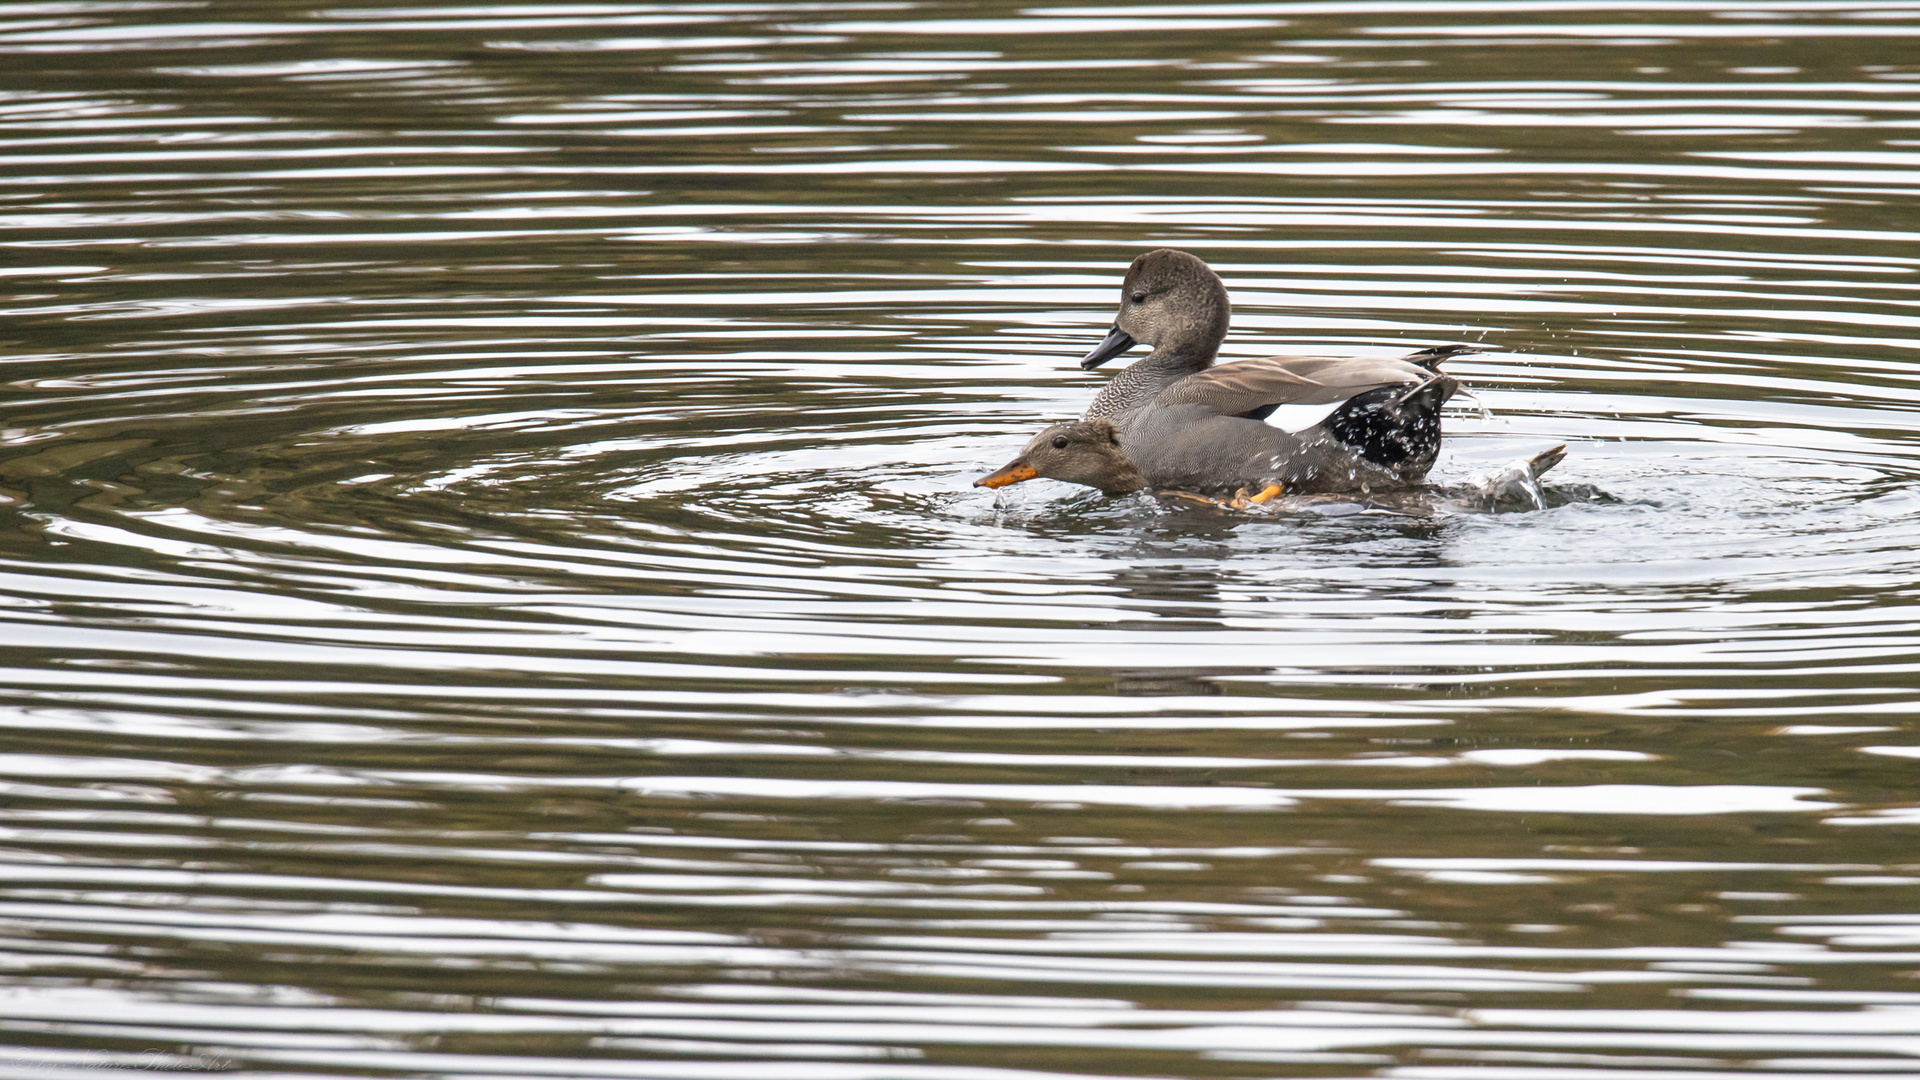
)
(1011, 473)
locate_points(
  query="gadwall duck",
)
(1085, 452)
(1088, 452)
(1191, 423)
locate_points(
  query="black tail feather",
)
(1394, 425)
(1431, 358)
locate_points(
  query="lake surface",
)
(492, 585)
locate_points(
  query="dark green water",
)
(490, 586)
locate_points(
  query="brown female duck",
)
(1088, 452)
(1085, 452)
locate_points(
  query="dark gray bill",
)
(1116, 342)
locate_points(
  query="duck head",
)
(1084, 452)
(1171, 301)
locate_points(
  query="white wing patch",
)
(1297, 418)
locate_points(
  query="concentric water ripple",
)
(492, 585)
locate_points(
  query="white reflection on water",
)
(444, 429)
(1595, 799)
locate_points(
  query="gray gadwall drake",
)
(1191, 423)
(1088, 452)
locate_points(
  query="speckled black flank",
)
(1390, 434)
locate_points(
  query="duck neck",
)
(1127, 482)
(1186, 357)
(1146, 377)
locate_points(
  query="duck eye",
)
(1059, 442)
(1139, 298)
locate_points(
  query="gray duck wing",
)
(1253, 387)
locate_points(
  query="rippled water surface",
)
(492, 585)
